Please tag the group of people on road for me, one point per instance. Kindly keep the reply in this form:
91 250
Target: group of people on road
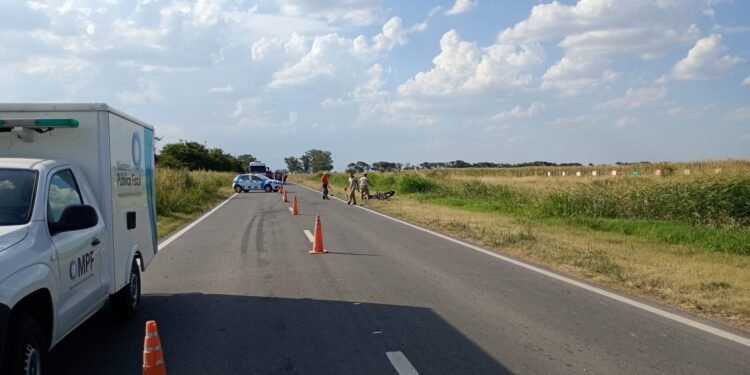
362 185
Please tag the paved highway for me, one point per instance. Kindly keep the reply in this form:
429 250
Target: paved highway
239 294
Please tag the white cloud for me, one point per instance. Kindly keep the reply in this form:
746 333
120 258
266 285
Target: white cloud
571 123
519 113
594 33
687 113
739 114
704 60
461 6
333 56
574 74
746 82
54 65
635 98
249 114
356 12
463 67
393 34
147 93
626 122
221 89
330 56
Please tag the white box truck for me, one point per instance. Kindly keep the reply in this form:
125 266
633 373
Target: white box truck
77 222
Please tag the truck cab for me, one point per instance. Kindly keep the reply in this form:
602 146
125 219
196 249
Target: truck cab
77 222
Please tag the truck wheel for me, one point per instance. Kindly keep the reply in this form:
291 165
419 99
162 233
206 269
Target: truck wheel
268 188
238 189
27 348
126 301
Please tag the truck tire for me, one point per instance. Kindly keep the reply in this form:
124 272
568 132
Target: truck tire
126 301
27 347
268 188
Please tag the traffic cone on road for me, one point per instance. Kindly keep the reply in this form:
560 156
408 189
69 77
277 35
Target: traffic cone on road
318 240
295 209
153 357
281 189
286 198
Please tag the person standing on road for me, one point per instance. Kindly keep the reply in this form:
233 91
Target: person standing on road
352 187
324 182
364 187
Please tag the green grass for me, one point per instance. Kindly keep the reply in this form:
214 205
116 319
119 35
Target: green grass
704 212
182 195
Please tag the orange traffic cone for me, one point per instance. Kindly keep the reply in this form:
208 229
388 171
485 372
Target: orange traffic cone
281 189
318 241
153 357
286 198
295 209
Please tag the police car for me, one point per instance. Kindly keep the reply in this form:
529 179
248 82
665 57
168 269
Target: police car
254 182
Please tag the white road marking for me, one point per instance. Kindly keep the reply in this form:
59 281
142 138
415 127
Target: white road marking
177 235
309 235
628 301
401 363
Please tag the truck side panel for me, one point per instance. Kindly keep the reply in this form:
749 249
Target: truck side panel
133 221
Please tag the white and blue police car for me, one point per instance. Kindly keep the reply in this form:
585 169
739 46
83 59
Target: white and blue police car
254 182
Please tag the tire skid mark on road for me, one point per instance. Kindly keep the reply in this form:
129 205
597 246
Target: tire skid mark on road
246 236
259 242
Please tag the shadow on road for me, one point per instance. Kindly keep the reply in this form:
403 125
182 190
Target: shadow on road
222 334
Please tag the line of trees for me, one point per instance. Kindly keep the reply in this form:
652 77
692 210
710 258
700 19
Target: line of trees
196 156
311 161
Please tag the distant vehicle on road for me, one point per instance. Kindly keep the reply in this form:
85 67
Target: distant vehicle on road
259 167
254 182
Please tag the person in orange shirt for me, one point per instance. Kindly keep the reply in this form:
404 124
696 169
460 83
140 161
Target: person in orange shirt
324 182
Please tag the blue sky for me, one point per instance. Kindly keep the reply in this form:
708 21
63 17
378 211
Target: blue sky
590 81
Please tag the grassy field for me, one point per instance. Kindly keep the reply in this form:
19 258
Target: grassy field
677 238
182 195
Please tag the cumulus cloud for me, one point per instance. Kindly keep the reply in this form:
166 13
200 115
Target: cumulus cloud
248 113
328 57
626 122
336 56
635 98
356 12
221 89
594 33
739 114
147 93
574 74
463 67
461 6
519 112
705 60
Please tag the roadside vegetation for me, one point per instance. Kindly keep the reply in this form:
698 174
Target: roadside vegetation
676 237
182 195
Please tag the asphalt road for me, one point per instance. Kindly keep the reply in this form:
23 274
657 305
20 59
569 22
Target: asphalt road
239 294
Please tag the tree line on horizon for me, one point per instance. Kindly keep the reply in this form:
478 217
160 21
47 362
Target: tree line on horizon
196 156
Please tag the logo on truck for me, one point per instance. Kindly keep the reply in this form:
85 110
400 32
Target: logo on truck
81 266
137 150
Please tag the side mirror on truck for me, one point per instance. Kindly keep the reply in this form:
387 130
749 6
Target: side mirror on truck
75 217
